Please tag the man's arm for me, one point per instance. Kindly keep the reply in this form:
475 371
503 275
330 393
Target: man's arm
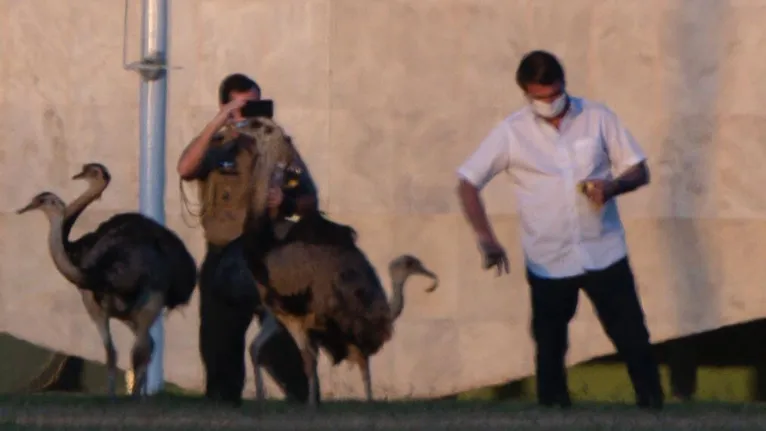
627 158
194 154
208 162
635 177
491 158
192 157
475 212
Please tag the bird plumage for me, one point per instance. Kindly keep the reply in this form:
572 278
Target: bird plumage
129 267
316 282
130 250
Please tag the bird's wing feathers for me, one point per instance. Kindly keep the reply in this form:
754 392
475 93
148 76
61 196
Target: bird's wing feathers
116 267
294 268
335 276
120 254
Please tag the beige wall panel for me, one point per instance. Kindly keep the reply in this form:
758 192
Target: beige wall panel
385 99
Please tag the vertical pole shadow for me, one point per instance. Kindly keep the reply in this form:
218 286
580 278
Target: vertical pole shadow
695 33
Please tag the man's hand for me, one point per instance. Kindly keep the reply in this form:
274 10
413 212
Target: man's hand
494 255
228 109
598 191
275 197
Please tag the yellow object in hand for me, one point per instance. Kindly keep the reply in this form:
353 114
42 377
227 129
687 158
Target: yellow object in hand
584 186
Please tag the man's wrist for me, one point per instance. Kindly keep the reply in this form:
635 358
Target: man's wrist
619 186
485 238
613 188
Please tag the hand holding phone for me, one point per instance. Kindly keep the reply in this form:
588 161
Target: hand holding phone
258 108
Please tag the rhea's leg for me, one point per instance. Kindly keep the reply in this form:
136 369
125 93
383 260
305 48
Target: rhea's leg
144 345
310 365
308 353
99 316
111 358
364 367
111 367
363 363
269 328
141 356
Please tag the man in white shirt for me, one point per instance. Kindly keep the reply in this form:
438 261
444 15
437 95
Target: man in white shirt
561 152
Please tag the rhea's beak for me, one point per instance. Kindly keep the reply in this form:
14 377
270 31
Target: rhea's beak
425 272
29 207
79 176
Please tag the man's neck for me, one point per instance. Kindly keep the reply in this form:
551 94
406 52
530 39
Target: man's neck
556 121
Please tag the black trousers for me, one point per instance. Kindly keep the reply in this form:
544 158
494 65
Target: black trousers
228 303
613 294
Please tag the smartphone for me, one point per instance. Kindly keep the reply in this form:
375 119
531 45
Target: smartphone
259 108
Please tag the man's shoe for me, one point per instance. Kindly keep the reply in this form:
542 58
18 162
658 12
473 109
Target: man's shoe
563 402
655 402
222 400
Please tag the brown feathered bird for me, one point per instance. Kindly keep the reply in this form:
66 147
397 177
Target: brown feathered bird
316 282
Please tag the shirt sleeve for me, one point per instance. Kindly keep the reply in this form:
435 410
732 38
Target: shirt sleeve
491 158
624 151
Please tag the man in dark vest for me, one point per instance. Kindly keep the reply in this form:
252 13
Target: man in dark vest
228 296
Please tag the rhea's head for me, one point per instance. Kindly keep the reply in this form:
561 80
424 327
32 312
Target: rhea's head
93 173
406 265
47 202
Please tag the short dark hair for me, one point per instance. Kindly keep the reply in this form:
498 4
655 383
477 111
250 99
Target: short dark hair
236 82
539 67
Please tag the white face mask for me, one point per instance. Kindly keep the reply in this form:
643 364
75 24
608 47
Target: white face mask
550 110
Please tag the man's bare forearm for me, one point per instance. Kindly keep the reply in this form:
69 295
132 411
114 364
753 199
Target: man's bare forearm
194 153
635 177
474 211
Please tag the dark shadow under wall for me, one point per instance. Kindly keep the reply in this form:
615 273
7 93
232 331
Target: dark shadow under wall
742 345
727 350
26 366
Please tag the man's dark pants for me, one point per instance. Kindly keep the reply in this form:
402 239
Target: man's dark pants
613 294
228 302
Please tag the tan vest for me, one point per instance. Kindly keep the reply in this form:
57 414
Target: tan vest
225 198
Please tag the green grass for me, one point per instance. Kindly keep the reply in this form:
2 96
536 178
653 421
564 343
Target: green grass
602 393
609 383
174 412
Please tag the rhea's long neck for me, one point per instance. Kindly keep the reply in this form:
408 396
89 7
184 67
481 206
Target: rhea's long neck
58 252
77 206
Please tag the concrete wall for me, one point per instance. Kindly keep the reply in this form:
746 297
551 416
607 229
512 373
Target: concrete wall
385 99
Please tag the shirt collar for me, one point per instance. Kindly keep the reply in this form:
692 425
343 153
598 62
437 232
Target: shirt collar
575 109
575 106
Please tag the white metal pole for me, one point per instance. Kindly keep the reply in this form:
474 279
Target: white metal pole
153 105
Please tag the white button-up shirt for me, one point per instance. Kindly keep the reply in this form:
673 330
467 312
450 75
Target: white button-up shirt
563 233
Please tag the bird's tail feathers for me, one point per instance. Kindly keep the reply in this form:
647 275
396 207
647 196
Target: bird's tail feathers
362 314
